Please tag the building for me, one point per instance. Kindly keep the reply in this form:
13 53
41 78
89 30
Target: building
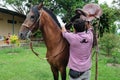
10 22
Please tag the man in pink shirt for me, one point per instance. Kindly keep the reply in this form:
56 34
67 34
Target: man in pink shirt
81 42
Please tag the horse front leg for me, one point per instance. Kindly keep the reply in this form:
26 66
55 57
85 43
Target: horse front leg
63 73
55 72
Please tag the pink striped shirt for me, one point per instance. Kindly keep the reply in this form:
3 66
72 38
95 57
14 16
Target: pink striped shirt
80 53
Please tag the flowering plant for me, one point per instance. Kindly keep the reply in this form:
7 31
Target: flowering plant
14 39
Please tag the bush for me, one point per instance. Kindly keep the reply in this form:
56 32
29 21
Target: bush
109 44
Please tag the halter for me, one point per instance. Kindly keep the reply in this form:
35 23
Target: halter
31 25
31 46
35 22
25 25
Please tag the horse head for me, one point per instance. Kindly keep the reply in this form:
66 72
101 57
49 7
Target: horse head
31 23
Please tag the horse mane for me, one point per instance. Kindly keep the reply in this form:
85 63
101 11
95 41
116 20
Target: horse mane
52 15
36 12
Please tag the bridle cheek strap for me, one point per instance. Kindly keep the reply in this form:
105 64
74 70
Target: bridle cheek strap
27 26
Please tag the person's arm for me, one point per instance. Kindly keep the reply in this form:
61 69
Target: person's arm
67 35
64 29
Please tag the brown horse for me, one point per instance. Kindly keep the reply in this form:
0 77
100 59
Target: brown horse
57 47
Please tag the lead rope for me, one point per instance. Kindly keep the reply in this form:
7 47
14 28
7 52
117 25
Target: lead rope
31 47
30 42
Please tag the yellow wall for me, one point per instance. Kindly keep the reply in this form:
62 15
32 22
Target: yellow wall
6 27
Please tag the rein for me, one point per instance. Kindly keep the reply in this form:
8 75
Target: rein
31 44
31 47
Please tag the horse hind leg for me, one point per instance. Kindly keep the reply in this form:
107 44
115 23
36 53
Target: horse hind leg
55 73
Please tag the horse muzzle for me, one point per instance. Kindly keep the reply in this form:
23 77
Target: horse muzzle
24 35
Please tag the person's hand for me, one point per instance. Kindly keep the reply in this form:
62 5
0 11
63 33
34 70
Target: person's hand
68 26
63 25
63 28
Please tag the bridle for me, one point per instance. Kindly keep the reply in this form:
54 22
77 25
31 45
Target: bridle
34 23
30 31
31 46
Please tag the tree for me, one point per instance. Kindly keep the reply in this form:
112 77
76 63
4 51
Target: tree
110 15
17 5
67 7
109 43
21 6
116 2
64 8
109 46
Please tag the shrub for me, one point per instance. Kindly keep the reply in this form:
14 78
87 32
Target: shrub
14 39
15 42
109 42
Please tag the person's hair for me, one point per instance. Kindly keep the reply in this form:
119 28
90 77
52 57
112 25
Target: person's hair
79 25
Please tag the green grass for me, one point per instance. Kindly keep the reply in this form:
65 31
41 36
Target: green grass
105 72
24 65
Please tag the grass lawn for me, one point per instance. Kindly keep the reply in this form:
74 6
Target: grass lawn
24 65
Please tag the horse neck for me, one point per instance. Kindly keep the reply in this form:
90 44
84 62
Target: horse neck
51 32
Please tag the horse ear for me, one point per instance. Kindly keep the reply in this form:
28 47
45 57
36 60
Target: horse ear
40 6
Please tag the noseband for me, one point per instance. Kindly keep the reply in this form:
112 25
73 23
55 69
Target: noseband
36 21
25 25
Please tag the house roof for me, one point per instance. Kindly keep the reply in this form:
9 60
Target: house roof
11 12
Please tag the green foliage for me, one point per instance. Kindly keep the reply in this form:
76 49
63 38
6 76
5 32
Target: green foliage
65 8
17 5
110 15
37 34
109 42
110 46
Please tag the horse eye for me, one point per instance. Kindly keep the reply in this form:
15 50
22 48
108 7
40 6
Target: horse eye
32 18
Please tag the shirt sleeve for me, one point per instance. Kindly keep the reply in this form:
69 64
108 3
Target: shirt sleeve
68 36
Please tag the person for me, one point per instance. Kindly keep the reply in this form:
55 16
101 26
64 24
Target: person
8 39
81 41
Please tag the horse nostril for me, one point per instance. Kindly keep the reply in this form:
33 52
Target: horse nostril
21 35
